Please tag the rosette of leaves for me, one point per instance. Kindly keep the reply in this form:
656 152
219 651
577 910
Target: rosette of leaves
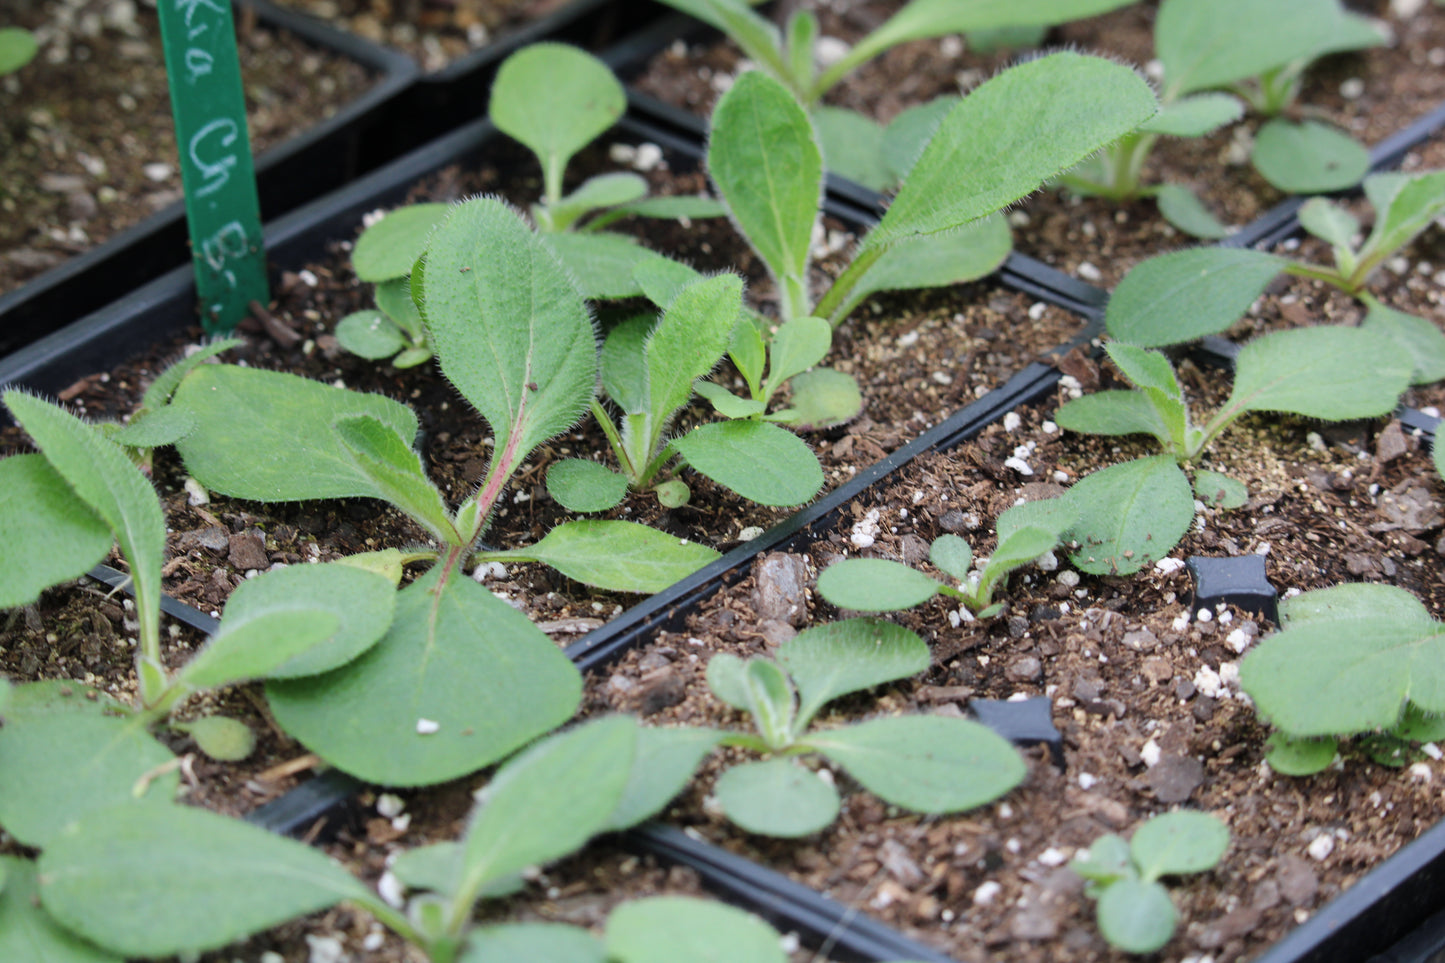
1188 294
1025 532
942 226
924 763
1134 910
1134 513
1353 661
1213 52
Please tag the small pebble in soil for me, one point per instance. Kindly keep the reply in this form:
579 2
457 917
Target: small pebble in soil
324 949
389 805
1321 847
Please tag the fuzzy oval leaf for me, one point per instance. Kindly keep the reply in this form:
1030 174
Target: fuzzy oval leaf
761 462
616 555
455 656
824 398
662 764
1299 757
602 265
600 191
1356 601
926 763
1308 157
952 555
1106 860
1405 204
852 146
47 534
509 329
776 798
221 737
1182 207
65 755
395 469
833 659
27 932
580 485
1113 412
624 368
1019 549
154 428
1171 844
727 404
387 250
909 132
394 299
269 436
1414 337
1331 372
1329 222
797 345
669 929
1130 515
154 881
689 340
1135 916
1219 491
539 942
875 585
725 677
369 334
1195 116
1185 295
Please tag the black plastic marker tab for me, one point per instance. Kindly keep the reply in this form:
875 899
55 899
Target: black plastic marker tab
1239 581
1025 720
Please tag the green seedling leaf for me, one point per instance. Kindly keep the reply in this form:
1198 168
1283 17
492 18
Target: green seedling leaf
1130 515
411 357
823 398
852 146
1136 916
674 207
1308 157
1334 373
1418 726
767 166
295 621
29 933
155 881
726 403
1115 412
1187 294
1149 370
458 681
395 469
1405 205
996 39
387 562
155 429
749 352
387 250
579 485
778 797
370 334
602 265
615 555
509 329
673 494
286 448
624 366
1195 116
17 48
158 395
1219 491
663 279
47 534
1054 515
760 461
833 659
1182 208
220 737
662 764
1347 668
771 701
1106 860
1179 842
951 555
542 942
797 346
689 341
666 929
929 764
595 193
556 100
1299 757
725 679
875 585
1016 551
1329 222
909 133
436 867
395 301
64 754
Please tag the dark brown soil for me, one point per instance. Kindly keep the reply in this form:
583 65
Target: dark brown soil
87 145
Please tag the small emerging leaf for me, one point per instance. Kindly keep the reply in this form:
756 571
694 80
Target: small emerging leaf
580 485
1136 916
1182 207
1299 757
1219 491
387 250
1187 294
222 738
1329 222
952 555
1180 842
823 398
370 334
1195 116
833 659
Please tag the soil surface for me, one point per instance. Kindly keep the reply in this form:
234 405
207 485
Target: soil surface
87 143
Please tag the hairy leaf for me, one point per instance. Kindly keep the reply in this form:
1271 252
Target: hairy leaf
689 341
616 555
1130 515
852 146
47 534
1413 337
1329 222
29 933
1180 842
909 133
952 555
1405 205
1219 491
662 764
833 659
387 459
875 585
824 398
1113 412
668 929
370 334
778 797
1331 372
580 485
759 461
602 265
1299 757
1136 916
1182 208
1308 157
1187 294
1195 116
387 250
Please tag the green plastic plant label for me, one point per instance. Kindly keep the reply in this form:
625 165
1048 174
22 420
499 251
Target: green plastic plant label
222 210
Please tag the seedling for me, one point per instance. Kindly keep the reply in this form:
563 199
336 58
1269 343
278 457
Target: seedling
1361 661
17 48
1134 910
1135 513
1025 532
1254 50
1188 294
925 763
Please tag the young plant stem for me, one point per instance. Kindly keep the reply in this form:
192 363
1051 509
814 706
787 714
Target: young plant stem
599 414
837 295
1350 284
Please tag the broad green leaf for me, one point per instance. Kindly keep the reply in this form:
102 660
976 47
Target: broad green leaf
602 264
760 461
535 942
155 881
771 701
64 754
615 555
823 398
1351 670
1334 373
1056 515
1130 515
725 679
909 132
875 585
672 929
766 163
17 48
675 207
852 146
1106 860
1180 842
726 403
160 391
1219 491
394 299
509 329
285 448
624 368
1405 205
556 100
1308 157
952 555
220 737
1018 550
580 485
27 932
1113 412
797 346
389 462
47 534
1136 916
778 797
1329 222
153 429
926 763
345 608
663 279
1195 116
459 680
601 191
1352 601
689 341
1299 757
1187 294
387 250
662 764
549 800
1182 208
833 659
1144 368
